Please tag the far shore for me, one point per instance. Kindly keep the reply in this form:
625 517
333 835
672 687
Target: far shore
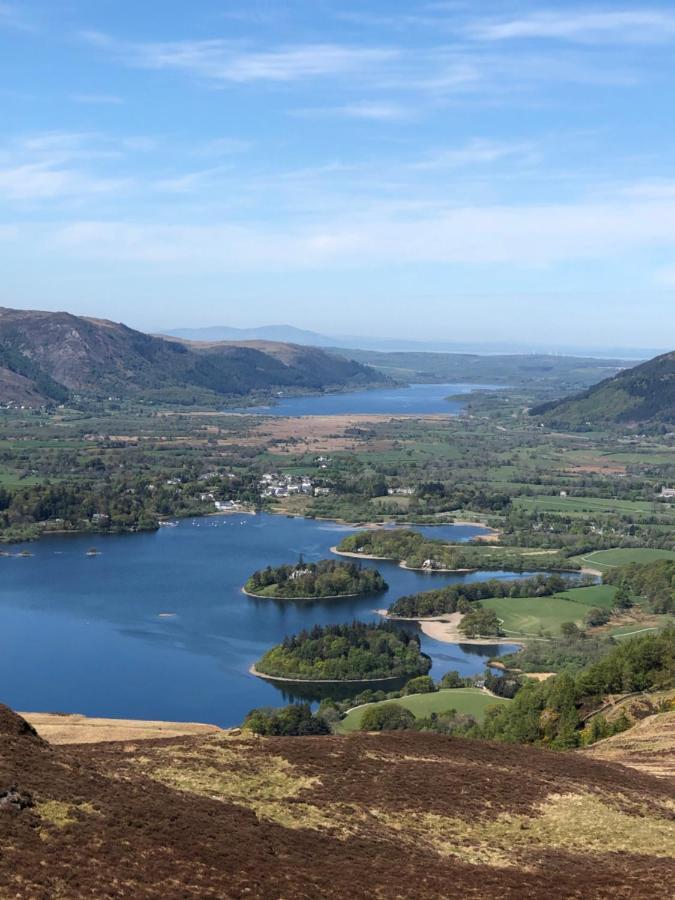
254 671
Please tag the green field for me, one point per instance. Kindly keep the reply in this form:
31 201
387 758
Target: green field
527 616
597 595
582 506
472 701
611 559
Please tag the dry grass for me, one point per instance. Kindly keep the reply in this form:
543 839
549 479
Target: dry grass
61 814
649 746
76 729
268 785
580 823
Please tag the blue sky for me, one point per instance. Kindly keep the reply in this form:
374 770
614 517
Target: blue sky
461 171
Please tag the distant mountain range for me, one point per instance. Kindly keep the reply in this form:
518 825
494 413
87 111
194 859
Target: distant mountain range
47 357
289 333
643 396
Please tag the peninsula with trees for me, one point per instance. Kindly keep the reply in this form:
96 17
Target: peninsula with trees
415 551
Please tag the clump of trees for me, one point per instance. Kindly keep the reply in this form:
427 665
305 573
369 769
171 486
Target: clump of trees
326 578
458 597
652 583
290 721
353 652
481 622
394 717
387 717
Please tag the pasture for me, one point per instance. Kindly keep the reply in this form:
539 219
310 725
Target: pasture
472 701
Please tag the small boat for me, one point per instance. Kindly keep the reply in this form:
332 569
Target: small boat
92 551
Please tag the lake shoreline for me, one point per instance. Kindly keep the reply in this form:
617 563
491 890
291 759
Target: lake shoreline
253 671
309 599
445 629
402 564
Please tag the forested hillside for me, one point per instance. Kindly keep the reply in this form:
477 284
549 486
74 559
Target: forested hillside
638 396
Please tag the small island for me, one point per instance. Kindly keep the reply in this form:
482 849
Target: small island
327 579
343 653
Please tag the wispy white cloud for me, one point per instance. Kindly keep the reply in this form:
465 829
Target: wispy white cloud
476 152
517 236
57 165
13 17
226 61
43 182
629 26
98 99
223 146
382 111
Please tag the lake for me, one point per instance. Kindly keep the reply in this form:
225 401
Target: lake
405 400
156 627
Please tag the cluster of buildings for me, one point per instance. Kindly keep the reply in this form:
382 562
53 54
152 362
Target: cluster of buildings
221 505
289 485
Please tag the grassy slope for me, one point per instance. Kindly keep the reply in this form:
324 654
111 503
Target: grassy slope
528 615
610 559
465 700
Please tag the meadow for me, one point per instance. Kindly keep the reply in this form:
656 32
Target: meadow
529 616
469 701
612 559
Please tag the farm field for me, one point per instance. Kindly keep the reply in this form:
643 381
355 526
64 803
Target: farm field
528 616
471 701
596 595
611 559
582 506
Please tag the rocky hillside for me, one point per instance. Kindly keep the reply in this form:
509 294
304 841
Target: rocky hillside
47 357
644 395
396 815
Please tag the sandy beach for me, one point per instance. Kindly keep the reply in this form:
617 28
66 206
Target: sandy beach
447 631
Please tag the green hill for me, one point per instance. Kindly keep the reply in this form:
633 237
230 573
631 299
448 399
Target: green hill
47 357
643 395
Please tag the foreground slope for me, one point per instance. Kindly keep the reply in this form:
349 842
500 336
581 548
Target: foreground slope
642 395
648 746
46 356
392 815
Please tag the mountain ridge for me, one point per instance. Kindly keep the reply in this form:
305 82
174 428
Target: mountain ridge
47 357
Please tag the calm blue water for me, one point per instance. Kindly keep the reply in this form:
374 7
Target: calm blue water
415 399
82 634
